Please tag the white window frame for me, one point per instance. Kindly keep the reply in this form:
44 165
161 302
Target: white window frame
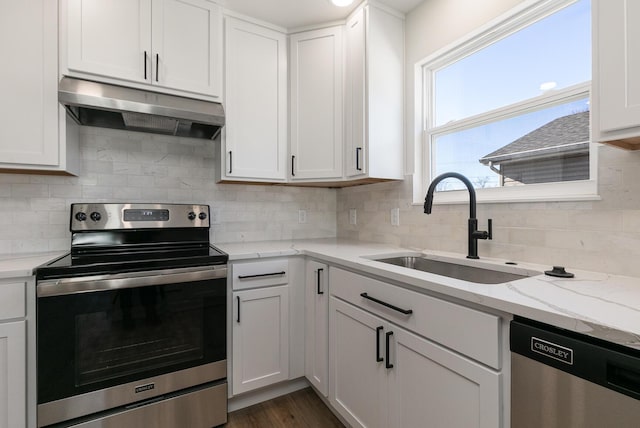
519 17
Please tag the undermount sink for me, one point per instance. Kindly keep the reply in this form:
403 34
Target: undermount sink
453 270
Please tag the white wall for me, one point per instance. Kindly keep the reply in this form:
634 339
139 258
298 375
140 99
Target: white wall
597 235
136 167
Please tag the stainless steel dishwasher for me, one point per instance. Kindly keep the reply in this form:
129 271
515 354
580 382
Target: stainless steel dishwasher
565 379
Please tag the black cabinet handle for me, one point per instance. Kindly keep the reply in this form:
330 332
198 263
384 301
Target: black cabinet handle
358 150
318 279
157 63
261 275
293 172
387 364
388 305
378 356
238 318
230 161
145 65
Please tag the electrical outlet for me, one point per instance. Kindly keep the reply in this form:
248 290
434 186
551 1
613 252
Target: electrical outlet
395 216
302 216
215 215
352 216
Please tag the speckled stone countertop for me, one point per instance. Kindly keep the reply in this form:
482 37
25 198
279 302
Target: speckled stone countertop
597 304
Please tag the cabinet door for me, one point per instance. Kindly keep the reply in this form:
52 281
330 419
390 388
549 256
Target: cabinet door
432 387
316 104
317 325
187 46
255 102
618 65
355 75
260 338
13 409
110 38
357 386
28 83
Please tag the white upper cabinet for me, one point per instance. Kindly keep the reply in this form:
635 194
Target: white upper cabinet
171 44
110 38
34 134
255 135
316 104
616 72
374 103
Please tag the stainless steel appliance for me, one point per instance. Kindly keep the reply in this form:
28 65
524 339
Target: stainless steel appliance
111 106
131 324
561 379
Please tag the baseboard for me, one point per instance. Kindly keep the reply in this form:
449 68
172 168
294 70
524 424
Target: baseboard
267 393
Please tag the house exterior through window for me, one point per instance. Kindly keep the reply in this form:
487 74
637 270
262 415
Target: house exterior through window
509 107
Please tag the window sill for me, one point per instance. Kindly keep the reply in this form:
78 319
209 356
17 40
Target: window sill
582 191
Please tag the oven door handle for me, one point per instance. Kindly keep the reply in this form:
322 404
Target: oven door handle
89 284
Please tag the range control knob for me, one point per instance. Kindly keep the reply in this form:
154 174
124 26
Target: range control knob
191 215
80 216
202 216
95 216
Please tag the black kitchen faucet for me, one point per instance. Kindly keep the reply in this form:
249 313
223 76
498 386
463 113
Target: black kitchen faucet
474 234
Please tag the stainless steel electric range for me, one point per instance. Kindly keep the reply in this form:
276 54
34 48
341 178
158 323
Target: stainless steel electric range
131 324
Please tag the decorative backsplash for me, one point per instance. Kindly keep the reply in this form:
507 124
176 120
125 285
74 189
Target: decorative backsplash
135 167
601 235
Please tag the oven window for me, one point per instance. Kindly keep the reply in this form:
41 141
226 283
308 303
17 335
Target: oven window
95 340
144 329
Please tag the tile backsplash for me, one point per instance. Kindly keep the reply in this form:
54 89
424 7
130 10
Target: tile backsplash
136 167
602 235
117 165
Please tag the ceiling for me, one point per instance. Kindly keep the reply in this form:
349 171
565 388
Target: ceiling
299 13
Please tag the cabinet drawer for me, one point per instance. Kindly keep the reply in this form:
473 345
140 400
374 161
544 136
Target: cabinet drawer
12 300
468 331
260 274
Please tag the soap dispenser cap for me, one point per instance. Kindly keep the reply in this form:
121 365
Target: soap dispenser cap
559 271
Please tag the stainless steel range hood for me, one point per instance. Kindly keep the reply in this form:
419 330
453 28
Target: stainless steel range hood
111 106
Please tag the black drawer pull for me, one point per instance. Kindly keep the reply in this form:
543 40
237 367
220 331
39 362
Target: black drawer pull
387 364
318 272
388 305
378 357
260 275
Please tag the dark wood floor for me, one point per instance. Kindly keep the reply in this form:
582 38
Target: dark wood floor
300 409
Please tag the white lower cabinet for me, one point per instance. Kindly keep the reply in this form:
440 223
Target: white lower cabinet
13 409
316 365
385 371
430 386
384 376
260 337
13 353
358 376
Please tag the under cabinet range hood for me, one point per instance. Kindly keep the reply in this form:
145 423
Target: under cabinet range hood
110 106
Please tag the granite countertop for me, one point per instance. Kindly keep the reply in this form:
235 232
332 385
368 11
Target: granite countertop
597 304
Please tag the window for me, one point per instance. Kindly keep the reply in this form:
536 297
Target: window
509 107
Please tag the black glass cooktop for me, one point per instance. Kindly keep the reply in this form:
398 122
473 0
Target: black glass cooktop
119 261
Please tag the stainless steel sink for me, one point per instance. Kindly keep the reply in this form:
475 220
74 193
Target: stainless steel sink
453 270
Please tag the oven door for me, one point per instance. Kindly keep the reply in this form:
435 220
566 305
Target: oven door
109 341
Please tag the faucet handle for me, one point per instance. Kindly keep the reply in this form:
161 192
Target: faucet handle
482 234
